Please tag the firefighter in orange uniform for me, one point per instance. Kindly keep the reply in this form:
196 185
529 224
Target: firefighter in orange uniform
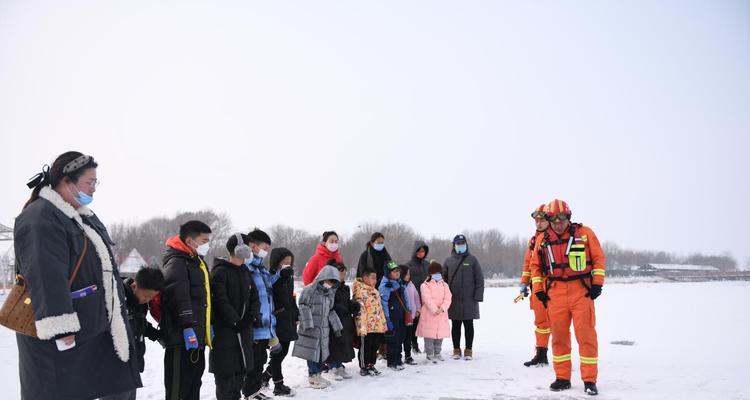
570 261
542 330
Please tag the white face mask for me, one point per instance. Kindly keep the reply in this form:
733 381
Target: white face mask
332 247
327 285
286 266
262 253
202 250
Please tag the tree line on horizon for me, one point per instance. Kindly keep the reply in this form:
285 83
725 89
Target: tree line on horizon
500 255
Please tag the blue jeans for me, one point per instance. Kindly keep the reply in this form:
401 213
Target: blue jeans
313 368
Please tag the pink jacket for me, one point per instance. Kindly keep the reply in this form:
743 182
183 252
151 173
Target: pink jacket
414 303
433 324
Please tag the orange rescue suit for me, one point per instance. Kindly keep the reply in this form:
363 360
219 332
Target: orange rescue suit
541 322
568 265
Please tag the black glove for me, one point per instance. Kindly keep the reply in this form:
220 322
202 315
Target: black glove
286 272
594 292
543 297
355 307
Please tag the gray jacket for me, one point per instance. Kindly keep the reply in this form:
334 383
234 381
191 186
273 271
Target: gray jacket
464 276
316 318
418 268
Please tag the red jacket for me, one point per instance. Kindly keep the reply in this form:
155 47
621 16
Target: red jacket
317 262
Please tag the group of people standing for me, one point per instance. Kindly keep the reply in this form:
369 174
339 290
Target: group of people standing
91 324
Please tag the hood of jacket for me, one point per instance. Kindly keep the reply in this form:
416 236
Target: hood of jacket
328 273
418 245
177 248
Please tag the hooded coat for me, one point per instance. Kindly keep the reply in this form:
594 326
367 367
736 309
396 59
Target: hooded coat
235 298
287 312
318 261
434 324
48 239
418 268
265 329
466 281
340 347
317 318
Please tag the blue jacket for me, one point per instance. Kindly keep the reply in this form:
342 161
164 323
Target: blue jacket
385 296
264 281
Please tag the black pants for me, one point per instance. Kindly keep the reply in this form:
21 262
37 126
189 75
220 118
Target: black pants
183 370
254 379
394 341
409 339
456 332
368 349
274 366
414 343
228 386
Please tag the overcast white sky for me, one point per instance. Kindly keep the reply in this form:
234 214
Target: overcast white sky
441 115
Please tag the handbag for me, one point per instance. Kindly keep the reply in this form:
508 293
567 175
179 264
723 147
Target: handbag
17 312
408 318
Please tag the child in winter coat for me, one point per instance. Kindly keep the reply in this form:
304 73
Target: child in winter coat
395 305
370 322
341 350
433 324
317 319
415 306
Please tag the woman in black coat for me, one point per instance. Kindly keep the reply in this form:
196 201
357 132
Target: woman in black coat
287 315
84 348
341 347
375 256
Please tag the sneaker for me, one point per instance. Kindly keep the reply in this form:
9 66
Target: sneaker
456 354
280 389
365 372
468 354
590 388
374 371
341 373
559 385
410 361
265 378
439 357
258 396
318 382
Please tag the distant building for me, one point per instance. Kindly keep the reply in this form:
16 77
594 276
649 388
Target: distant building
677 268
132 263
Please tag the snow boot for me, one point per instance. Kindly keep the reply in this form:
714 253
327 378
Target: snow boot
364 372
559 385
468 355
280 389
341 373
540 359
410 361
456 354
318 382
590 388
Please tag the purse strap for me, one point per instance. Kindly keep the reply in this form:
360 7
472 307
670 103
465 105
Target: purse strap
80 261
398 297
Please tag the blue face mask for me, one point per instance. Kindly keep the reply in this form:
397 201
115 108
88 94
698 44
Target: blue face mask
84 199
460 248
378 247
437 277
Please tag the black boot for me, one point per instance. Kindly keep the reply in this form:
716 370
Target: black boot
590 388
540 359
559 384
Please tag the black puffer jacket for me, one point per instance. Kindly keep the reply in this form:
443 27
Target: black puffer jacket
373 259
285 305
235 298
418 268
184 299
139 326
341 349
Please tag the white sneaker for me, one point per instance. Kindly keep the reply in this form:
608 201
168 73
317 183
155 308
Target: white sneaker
318 382
439 357
340 373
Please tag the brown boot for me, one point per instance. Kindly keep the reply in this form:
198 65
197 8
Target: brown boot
467 354
456 354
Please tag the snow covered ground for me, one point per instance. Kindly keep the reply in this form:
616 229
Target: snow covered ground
691 342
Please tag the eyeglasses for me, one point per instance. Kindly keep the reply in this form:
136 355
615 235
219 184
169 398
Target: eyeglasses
538 215
558 217
94 183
